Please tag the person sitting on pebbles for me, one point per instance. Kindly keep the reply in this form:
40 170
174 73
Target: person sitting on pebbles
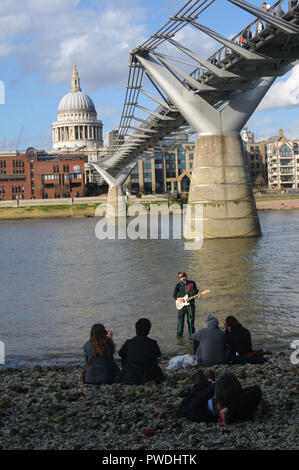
223 401
210 342
139 357
100 365
238 343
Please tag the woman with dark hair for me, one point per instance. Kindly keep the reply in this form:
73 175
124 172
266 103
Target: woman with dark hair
140 357
234 402
100 365
238 342
237 338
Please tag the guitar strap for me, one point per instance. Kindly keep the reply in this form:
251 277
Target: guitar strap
187 287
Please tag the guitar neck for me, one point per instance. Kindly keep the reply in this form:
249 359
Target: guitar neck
193 297
203 292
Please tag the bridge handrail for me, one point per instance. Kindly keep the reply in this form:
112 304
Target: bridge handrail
192 7
218 54
192 10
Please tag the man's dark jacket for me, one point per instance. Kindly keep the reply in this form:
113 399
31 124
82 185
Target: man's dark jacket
239 340
139 359
180 290
195 405
242 408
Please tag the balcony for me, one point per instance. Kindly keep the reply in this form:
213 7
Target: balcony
50 179
287 179
46 182
73 178
20 177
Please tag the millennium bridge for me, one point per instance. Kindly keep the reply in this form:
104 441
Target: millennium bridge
214 97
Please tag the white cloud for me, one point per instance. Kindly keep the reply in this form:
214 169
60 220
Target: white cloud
48 36
284 93
292 132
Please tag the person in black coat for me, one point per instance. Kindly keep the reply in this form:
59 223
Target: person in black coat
140 357
224 401
235 403
238 343
195 406
237 338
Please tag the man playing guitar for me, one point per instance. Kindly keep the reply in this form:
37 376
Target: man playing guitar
183 288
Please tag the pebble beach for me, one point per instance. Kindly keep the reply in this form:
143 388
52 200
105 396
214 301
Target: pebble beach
48 408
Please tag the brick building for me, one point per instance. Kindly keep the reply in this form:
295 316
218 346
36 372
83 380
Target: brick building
39 175
256 155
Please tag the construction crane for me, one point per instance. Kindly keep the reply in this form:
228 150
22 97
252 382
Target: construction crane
20 136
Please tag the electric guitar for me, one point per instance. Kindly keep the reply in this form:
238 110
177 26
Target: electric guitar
186 300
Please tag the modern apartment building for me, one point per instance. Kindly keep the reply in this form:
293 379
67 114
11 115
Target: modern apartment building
169 171
283 163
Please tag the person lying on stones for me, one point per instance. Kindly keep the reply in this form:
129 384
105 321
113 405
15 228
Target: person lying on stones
223 401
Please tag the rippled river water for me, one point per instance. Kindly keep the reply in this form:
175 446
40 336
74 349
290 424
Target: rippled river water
57 279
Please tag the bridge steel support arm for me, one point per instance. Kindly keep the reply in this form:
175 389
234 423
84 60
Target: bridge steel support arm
220 178
116 200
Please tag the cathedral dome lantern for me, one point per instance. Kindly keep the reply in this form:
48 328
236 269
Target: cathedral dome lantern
77 125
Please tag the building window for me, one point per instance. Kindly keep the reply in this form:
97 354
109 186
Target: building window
285 151
286 162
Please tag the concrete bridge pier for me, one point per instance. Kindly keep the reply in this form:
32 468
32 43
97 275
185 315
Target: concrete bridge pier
116 202
221 184
220 180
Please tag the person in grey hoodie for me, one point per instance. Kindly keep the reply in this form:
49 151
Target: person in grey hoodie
211 340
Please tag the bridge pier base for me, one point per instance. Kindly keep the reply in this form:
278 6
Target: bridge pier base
220 182
116 202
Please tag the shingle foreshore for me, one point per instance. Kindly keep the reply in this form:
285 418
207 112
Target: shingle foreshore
49 408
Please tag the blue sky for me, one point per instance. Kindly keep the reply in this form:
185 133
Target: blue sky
39 42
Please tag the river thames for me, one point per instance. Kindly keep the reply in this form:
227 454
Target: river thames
58 279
